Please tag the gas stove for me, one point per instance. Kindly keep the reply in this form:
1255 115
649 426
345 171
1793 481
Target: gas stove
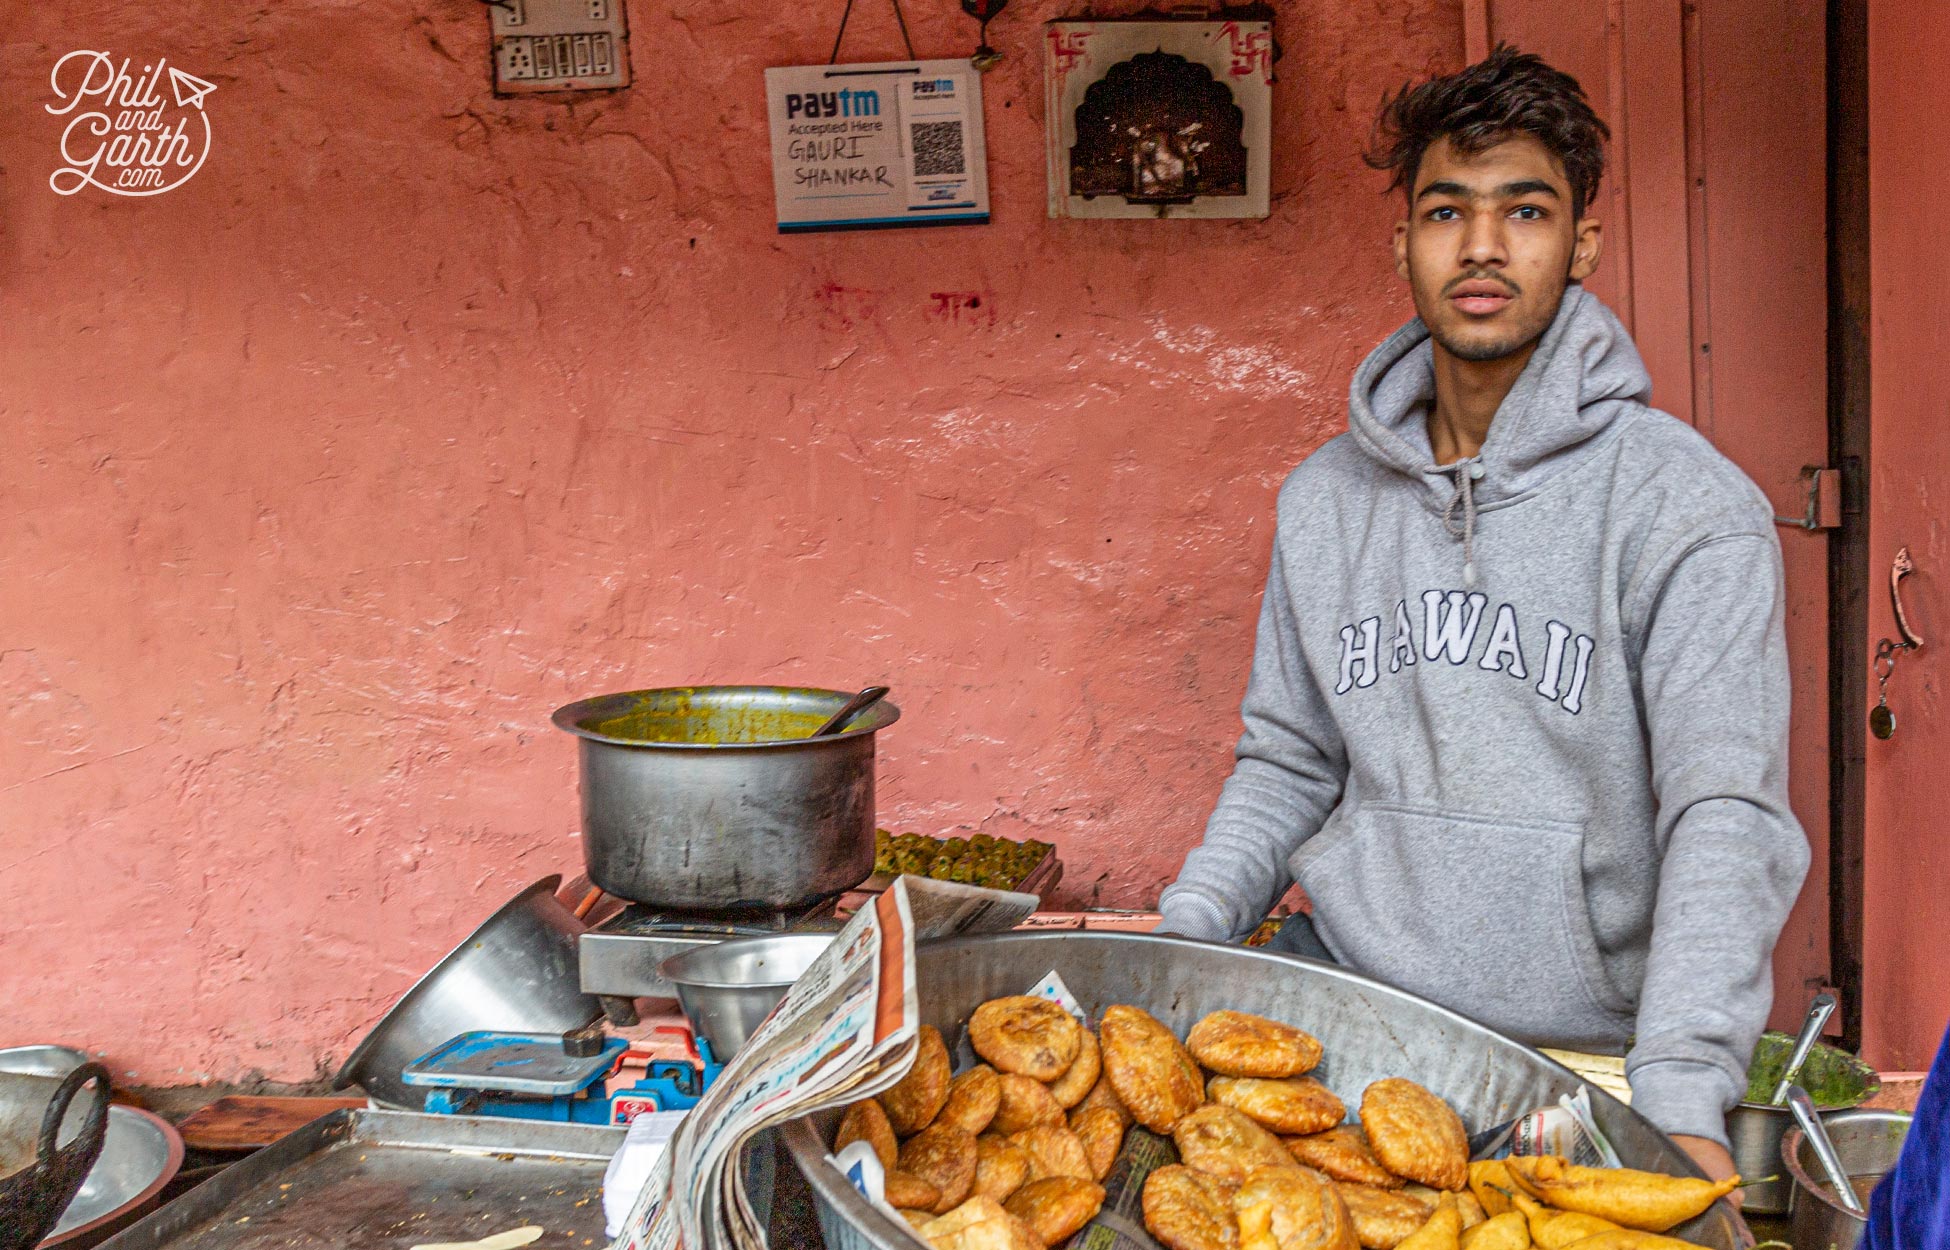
619 955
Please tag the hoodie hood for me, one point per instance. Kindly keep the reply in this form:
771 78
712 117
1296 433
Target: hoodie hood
1584 375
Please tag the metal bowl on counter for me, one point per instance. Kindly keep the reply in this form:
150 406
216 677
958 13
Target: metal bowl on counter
1370 1031
1835 1079
1867 1142
517 973
715 799
728 988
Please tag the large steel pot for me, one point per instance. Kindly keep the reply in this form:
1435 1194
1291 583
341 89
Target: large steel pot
715 799
517 973
1370 1031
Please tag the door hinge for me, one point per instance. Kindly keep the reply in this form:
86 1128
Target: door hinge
1824 496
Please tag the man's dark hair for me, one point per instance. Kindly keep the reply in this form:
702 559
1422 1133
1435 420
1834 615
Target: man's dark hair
1509 93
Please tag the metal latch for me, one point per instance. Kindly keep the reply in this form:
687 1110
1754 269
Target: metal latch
1824 512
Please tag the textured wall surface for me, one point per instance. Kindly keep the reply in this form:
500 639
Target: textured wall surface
417 413
1907 858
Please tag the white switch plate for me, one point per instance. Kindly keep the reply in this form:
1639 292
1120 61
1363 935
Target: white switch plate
559 45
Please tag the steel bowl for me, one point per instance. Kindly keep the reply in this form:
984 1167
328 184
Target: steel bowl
728 988
1370 1031
715 799
1755 1129
517 973
142 1153
1867 1142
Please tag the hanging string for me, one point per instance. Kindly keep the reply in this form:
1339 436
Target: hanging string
848 12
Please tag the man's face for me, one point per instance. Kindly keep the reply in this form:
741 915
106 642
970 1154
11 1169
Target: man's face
1489 245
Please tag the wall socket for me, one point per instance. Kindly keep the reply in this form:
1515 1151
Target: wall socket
559 45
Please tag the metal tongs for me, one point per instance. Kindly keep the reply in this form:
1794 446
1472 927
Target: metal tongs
1818 1012
1812 1128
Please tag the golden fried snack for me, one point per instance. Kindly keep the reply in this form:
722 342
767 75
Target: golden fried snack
1554 1230
1297 1104
1628 1198
1224 1142
1056 1206
1306 1213
1441 1231
1081 1076
1472 1210
1508 1231
912 1104
1027 1035
1186 1209
979 1224
972 1100
904 1189
1383 1218
1490 1181
1149 1069
1101 1131
1022 1102
1001 1166
944 1157
1054 1150
1629 1239
865 1121
1256 1227
916 1218
1415 1134
1102 1095
1233 1043
1343 1153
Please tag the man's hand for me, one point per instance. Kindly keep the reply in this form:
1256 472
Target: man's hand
1713 1160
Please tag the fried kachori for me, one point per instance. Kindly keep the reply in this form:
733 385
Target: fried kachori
1222 1141
911 1105
1026 1035
1294 1105
1342 1153
1186 1209
1236 1043
1149 1069
1415 1134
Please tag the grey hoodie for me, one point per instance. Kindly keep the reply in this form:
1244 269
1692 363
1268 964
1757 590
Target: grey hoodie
1518 725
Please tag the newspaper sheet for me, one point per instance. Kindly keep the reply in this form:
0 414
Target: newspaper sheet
844 1031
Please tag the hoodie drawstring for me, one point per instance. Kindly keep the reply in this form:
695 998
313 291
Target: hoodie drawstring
1468 472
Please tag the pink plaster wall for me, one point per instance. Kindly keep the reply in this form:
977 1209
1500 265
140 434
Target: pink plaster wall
417 413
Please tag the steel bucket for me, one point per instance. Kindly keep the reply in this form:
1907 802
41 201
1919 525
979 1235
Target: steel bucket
1868 1143
517 973
715 799
1370 1031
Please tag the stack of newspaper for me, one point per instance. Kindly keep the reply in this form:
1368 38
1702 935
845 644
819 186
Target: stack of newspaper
844 1031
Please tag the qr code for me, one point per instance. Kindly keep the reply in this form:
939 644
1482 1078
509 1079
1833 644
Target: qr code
937 149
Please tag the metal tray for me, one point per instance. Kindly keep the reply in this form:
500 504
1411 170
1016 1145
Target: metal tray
1370 1030
381 1180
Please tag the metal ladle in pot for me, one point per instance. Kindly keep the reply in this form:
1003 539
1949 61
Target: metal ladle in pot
1819 1010
850 709
1812 1128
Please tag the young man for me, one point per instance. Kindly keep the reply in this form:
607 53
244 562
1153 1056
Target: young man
1517 720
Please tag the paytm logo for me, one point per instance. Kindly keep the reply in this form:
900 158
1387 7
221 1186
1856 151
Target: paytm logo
842 103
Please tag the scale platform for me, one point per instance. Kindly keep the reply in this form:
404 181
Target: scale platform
535 1064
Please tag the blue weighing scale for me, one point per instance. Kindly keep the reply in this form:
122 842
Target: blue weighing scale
533 1076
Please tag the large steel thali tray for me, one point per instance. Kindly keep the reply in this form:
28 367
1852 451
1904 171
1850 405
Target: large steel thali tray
372 1179
1370 1031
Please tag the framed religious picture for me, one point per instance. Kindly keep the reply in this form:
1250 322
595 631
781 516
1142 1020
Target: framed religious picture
1159 118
